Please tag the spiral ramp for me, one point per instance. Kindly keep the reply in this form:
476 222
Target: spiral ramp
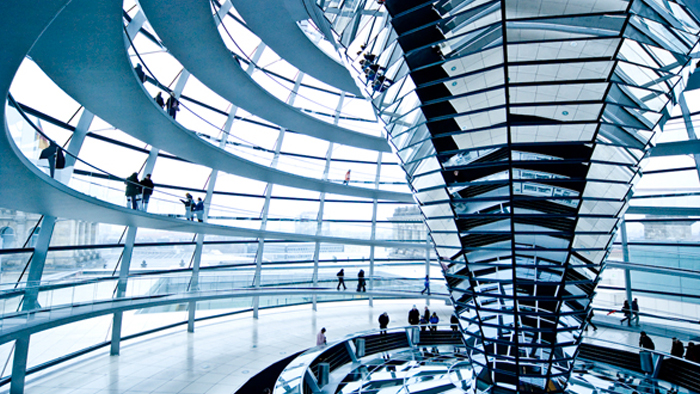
87 59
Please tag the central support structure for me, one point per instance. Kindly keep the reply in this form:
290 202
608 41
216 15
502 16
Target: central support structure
521 126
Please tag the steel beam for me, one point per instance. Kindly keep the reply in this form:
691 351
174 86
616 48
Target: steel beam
121 288
36 266
373 233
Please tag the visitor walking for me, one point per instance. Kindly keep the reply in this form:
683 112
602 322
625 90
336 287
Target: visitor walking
347 178
645 342
627 312
321 337
147 189
139 73
341 279
383 323
173 106
590 322
199 209
434 320
635 312
159 100
413 316
426 285
361 281
189 206
133 190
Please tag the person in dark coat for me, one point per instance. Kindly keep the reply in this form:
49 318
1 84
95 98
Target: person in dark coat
691 352
635 312
147 189
677 348
627 312
189 206
413 316
139 73
159 100
133 190
173 106
645 342
361 281
383 322
49 153
341 279
199 209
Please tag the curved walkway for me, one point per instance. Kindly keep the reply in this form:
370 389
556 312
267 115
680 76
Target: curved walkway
88 60
189 33
218 358
26 188
279 31
30 322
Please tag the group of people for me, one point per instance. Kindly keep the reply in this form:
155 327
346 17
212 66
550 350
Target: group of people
171 105
426 321
193 208
691 353
375 73
138 192
631 312
361 281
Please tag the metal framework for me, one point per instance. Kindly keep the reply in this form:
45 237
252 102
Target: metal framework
521 127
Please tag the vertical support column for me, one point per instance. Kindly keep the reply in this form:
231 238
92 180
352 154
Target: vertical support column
322 202
151 161
427 261
76 141
319 224
199 247
19 365
373 234
257 279
626 258
181 82
36 267
257 276
135 25
194 279
225 7
121 288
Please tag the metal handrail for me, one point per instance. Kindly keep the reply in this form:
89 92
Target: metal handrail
638 349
